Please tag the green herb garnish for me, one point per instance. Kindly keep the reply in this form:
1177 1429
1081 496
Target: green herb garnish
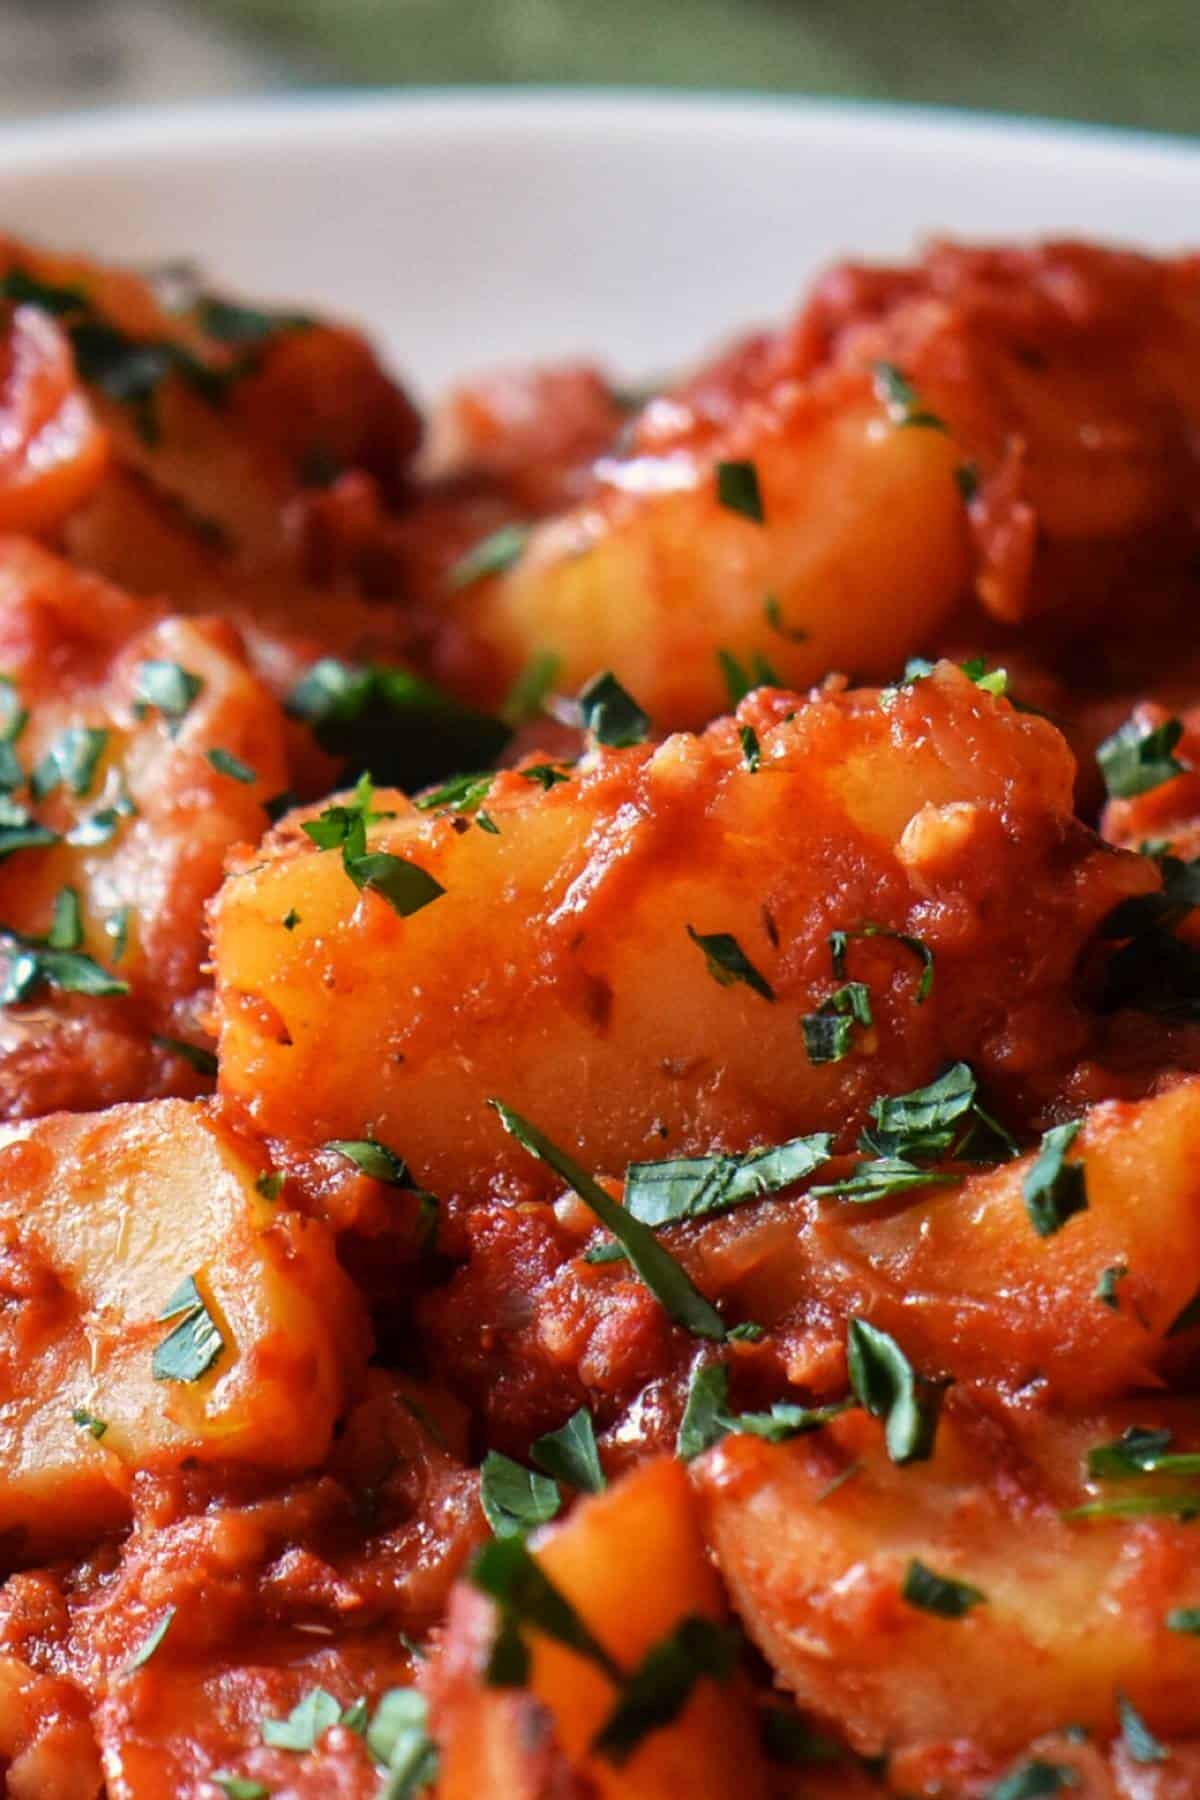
727 962
938 1593
526 698
774 617
142 1655
374 1159
1136 759
1106 1287
515 1500
87 1421
226 763
1142 1745
662 1684
72 758
529 1601
386 719
201 1059
1055 1189
1034 1781
839 941
900 398
570 1454
496 553
194 1343
742 680
887 1385
167 687
612 716
695 1187
738 490
751 749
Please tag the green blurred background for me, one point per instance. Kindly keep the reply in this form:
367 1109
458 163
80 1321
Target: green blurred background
1109 61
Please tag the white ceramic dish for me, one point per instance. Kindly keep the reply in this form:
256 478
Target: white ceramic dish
467 227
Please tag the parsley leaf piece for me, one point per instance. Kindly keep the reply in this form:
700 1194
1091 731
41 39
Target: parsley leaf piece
738 490
508 1659
374 1159
398 1738
1134 760
66 925
544 775
72 758
774 617
461 794
1054 1189
829 1032
1106 1288
1137 1451
784 1420
166 686
116 929
230 322
570 1454
838 941
87 1421
1183 1507
1187 1318
966 479
150 1644
991 681
790 1740
239 1787
200 1058
305 1725
939 1594
881 1177
406 886
1034 1781
192 1345
662 1684
291 919
926 1121
887 1385
226 763
740 681
665 1278
727 961
695 1187
612 716
1142 1745
505 1571
610 1252
380 717
514 1499
706 1413
12 775
491 556
526 697
1185 1619
19 830
35 963
23 289
751 749
900 398
269 1183
746 1333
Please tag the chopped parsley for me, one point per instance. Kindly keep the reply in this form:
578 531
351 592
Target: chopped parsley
774 616
397 1736
527 695
612 716
73 758
87 1421
305 1725
239 1787
116 929
839 943
1034 1780
1183 1507
695 1187
194 1342
881 1178
829 1032
544 775
529 1601
1185 1619
738 490
493 555
1142 1745
461 794
374 1159
269 1183
666 1279
230 322
35 963
939 1594
19 830
900 398
1106 1287
707 1417
1141 1450
1136 758
728 963
515 1500
66 924
168 688
1187 1318
379 717
966 479
751 749
887 1385
226 763
198 1056
1054 1189
291 919
661 1685
570 1454
404 885
740 679
150 1644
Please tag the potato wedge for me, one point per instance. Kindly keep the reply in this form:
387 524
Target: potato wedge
632 1564
560 970
103 1218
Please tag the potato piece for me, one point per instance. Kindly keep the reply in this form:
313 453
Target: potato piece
961 1277
557 971
632 1564
103 1218
46 1742
53 450
152 817
1073 1612
863 547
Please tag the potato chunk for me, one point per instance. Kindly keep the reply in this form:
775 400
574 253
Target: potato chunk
961 1276
103 1218
560 969
632 1564
1070 1612
138 804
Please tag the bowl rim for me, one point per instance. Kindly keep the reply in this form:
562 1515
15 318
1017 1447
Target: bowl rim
328 116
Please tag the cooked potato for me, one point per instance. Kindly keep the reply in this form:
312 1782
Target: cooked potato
558 973
1069 1612
110 1368
53 450
931 1268
632 1564
46 1742
138 817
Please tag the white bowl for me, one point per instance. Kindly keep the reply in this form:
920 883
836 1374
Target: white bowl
466 228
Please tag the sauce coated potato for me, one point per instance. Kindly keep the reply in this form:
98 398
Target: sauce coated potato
557 971
632 1564
103 1218
1071 1611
